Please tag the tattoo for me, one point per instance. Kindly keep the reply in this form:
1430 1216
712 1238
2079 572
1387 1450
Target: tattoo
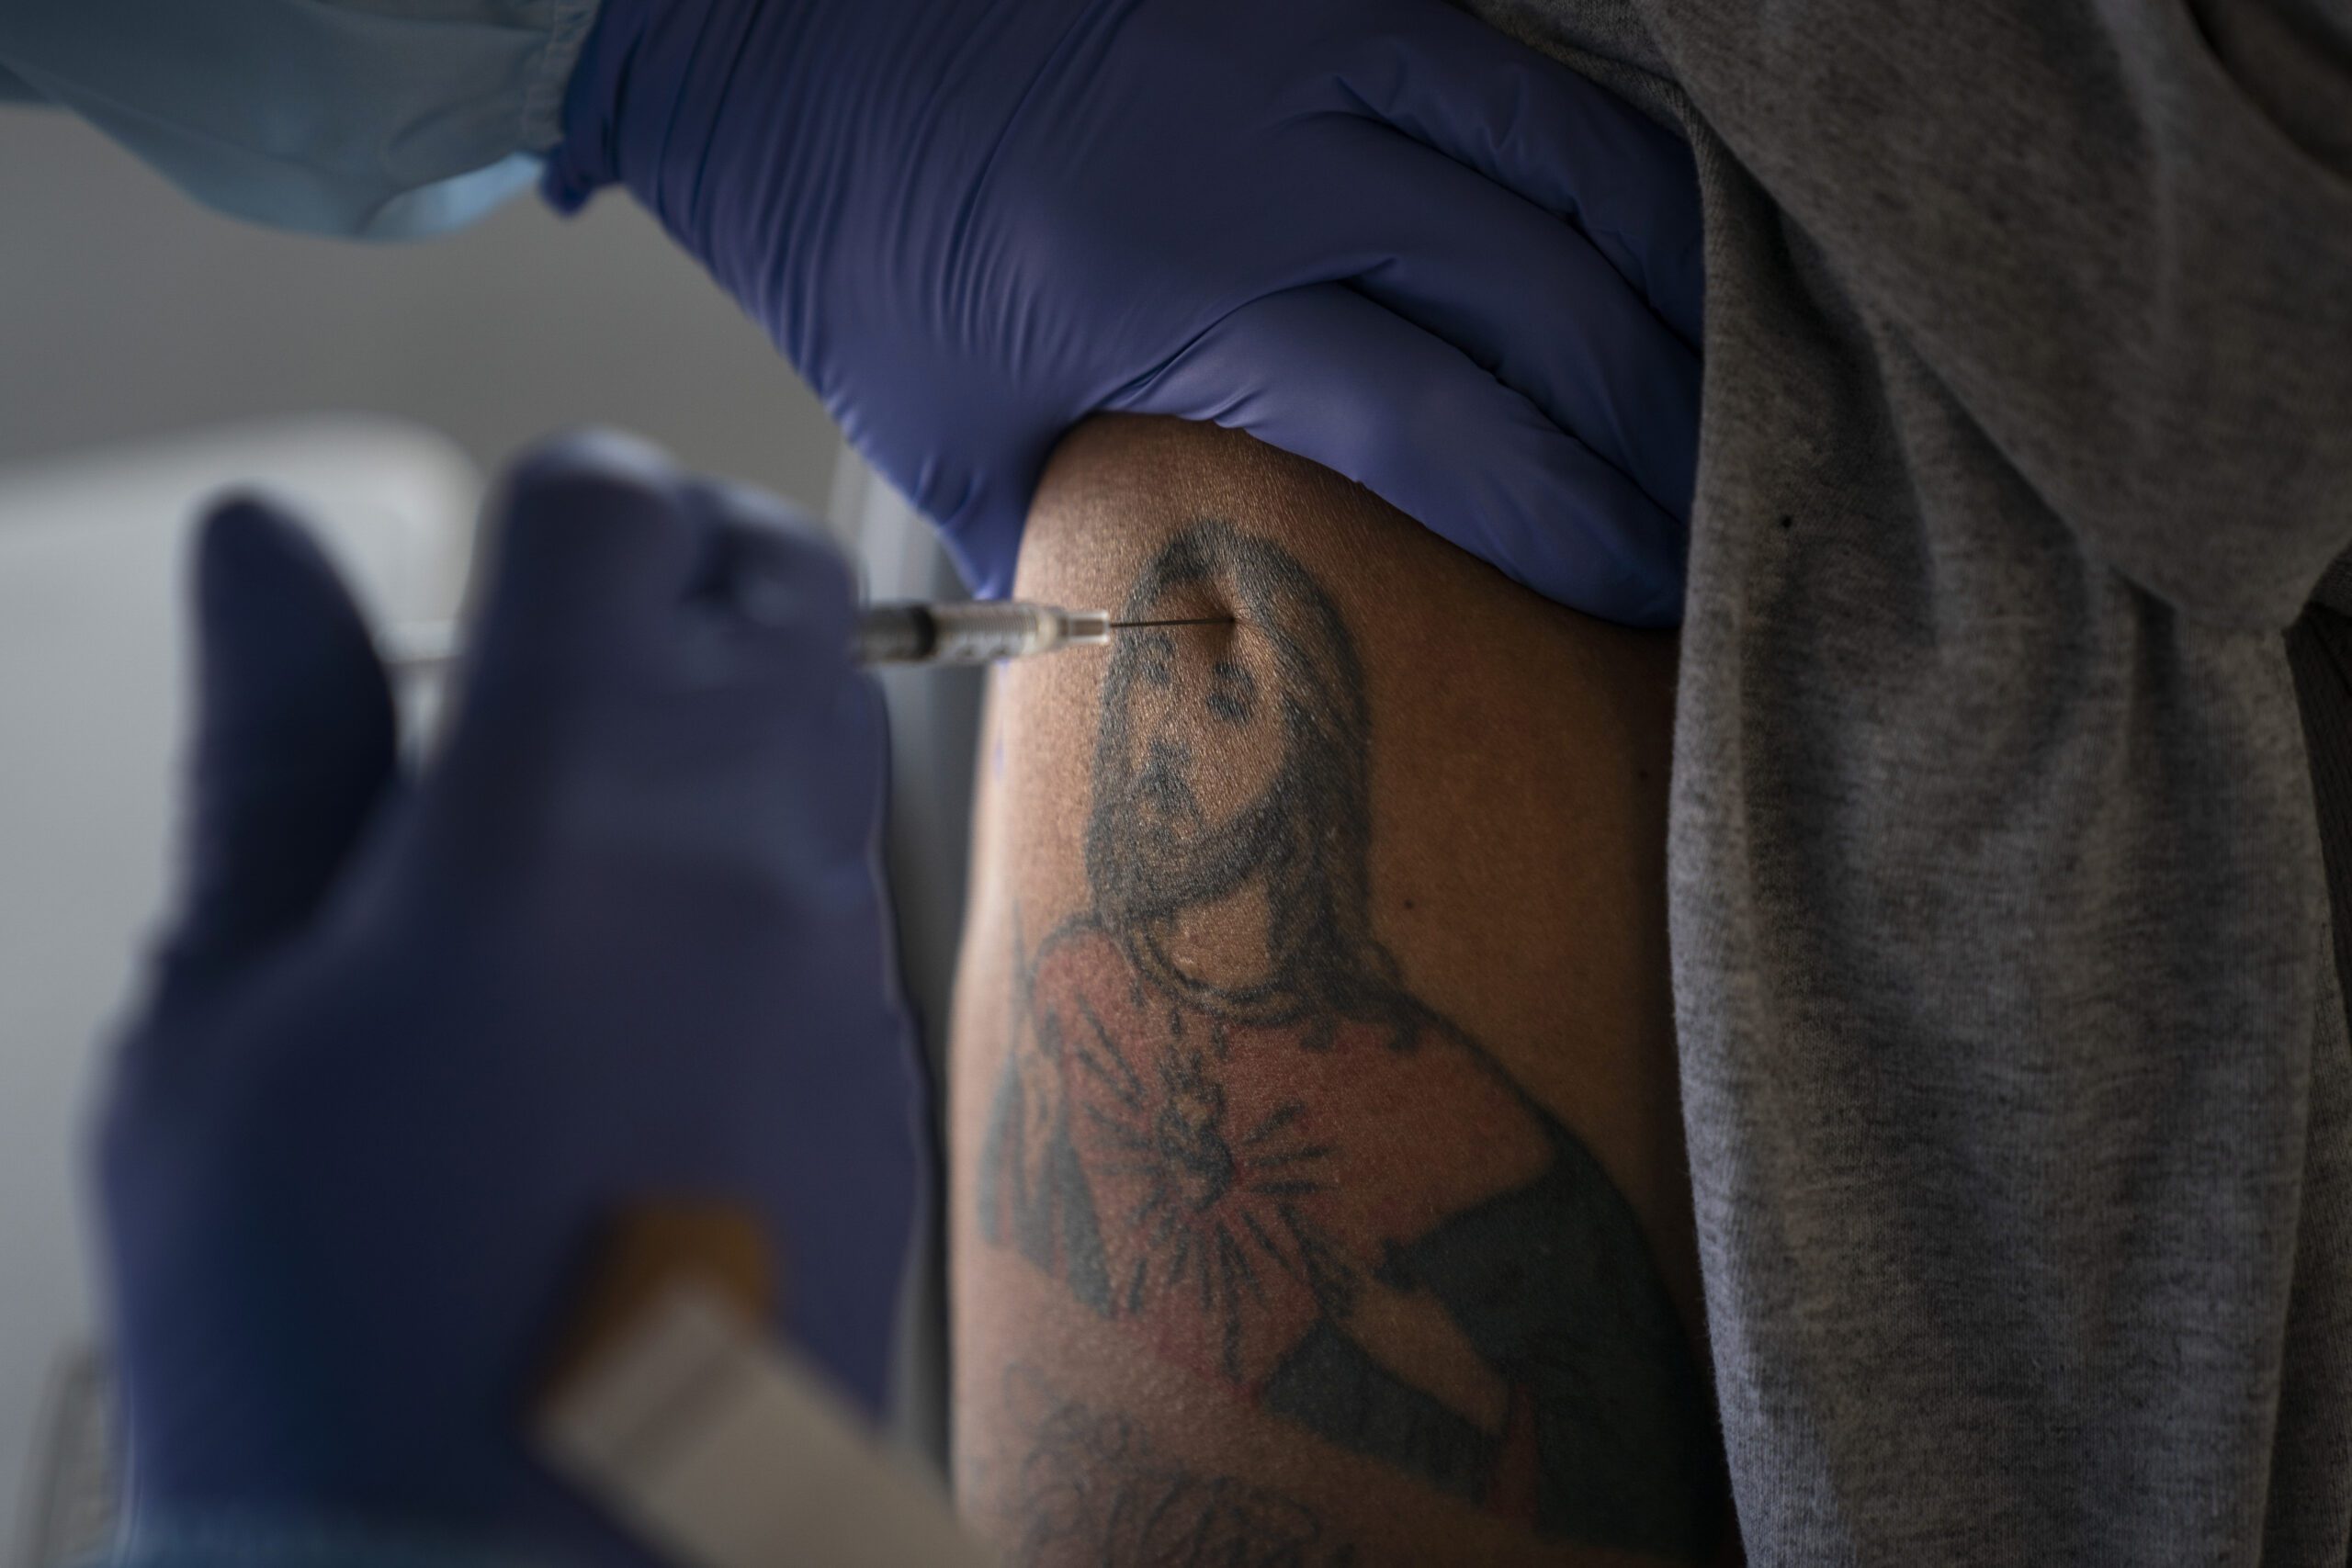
1261 1152
1081 1488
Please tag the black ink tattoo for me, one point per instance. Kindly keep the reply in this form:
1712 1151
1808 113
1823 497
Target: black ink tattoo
1081 1487
1281 1167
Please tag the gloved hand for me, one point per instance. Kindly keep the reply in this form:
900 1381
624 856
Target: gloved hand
1375 233
412 1041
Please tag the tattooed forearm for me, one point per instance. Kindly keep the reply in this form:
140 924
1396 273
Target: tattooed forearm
1079 1488
1227 1123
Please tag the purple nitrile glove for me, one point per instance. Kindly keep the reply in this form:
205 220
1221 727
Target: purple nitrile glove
413 1040
1375 233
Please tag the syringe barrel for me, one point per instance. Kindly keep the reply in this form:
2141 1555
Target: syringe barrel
976 633
955 633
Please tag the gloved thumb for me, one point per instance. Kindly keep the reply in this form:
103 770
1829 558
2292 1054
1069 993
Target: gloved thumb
294 741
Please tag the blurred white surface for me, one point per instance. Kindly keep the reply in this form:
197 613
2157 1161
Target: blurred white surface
92 556
934 736
128 310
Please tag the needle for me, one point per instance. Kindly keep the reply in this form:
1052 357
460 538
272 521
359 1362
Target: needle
1198 621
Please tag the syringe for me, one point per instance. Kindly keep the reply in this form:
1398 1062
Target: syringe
970 632
974 632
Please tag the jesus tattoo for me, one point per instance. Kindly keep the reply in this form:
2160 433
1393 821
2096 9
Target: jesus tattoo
1266 1157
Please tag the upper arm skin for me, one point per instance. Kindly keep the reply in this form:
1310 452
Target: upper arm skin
1317 1174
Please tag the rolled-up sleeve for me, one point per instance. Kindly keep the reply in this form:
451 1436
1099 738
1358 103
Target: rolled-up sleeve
382 118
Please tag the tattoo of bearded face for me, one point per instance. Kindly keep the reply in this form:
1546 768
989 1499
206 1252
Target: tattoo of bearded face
1226 1123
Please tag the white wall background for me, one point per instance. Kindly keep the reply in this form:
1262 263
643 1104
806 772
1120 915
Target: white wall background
126 310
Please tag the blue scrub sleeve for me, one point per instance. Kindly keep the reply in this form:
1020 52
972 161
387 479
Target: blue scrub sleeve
378 118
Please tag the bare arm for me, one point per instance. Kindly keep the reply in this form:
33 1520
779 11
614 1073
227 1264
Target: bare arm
1319 1194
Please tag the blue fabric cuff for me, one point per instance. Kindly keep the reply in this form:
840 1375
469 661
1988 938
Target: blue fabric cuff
335 117
569 25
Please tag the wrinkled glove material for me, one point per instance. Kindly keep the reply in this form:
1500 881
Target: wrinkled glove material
1374 232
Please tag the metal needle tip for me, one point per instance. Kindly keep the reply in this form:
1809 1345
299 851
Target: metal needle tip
1196 621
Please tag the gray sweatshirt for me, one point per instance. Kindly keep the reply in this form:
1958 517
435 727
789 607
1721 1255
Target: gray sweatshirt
2013 1052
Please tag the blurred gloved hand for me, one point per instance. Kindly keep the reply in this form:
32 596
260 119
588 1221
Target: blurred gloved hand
412 1041
1375 233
